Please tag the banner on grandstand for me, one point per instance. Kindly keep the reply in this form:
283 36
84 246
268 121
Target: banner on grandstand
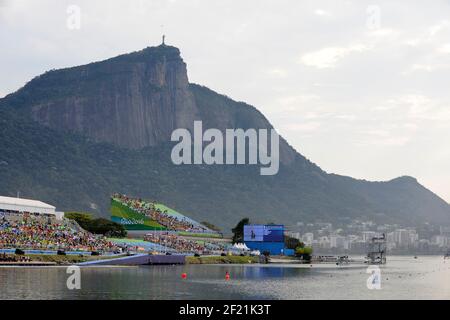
131 219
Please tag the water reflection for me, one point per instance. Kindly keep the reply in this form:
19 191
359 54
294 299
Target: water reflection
428 278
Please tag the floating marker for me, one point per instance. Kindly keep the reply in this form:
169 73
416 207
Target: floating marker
183 275
227 276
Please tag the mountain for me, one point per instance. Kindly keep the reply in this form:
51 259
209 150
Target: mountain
73 136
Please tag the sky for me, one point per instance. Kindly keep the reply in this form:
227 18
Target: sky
360 88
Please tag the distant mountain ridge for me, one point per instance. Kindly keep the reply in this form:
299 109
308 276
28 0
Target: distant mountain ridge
75 135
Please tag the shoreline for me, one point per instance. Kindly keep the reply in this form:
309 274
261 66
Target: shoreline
223 260
42 260
54 260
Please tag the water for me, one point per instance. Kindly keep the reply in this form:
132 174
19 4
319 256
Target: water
402 278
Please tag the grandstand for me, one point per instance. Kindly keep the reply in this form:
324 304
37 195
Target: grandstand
164 229
185 245
138 214
33 228
143 246
132 219
45 234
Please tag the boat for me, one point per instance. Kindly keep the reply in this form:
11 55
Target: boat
342 260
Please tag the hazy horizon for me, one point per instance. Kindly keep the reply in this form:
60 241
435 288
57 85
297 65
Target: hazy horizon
357 87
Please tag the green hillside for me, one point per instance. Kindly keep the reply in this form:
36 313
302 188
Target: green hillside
76 172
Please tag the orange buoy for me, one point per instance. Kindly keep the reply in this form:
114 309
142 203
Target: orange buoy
227 276
183 275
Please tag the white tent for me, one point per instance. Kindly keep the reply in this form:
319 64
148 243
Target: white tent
241 246
25 205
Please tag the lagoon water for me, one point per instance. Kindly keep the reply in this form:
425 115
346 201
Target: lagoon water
427 277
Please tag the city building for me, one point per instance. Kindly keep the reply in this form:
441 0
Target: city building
308 238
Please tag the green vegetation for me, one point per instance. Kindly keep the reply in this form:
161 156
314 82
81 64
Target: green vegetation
292 243
67 259
238 231
82 218
210 226
222 260
305 253
97 225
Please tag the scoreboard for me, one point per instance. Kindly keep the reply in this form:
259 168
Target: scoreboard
263 233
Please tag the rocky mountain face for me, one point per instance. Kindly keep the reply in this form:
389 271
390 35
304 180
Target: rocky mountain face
132 101
75 135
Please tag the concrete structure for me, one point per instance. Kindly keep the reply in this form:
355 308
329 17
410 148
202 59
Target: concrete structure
377 250
25 205
138 259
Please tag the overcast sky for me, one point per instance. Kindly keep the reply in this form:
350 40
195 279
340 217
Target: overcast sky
360 88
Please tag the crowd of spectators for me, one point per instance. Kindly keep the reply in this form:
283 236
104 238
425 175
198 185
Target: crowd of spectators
149 209
175 242
184 245
31 232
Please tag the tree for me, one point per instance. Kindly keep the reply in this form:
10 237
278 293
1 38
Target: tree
97 226
292 243
80 217
238 231
107 227
305 253
210 226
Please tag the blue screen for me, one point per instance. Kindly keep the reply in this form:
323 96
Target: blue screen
266 233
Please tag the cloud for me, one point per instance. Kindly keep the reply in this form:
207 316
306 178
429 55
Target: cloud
306 126
434 29
322 13
329 57
384 141
444 49
383 32
4 3
420 107
348 117
424 67
277 72
296 102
